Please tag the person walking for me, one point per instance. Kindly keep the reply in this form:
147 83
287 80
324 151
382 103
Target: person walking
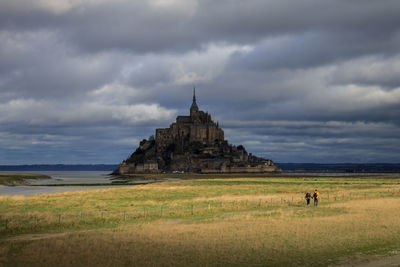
316 197
308 198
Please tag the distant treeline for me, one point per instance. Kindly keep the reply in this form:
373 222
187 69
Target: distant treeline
59 167
341 167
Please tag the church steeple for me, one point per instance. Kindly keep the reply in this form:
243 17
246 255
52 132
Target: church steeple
194 108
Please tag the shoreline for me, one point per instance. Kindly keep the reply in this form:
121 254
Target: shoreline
15 179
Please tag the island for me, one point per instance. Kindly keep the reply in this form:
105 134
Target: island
193 144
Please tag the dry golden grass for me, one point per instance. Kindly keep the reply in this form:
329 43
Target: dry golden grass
233 224
284 240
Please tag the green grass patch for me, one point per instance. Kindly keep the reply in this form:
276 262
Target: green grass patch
19 179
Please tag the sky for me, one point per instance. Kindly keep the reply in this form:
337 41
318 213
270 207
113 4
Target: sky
83 81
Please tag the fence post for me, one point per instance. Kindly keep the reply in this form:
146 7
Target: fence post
192 210
259 202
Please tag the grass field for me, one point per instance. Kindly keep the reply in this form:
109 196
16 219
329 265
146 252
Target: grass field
210 222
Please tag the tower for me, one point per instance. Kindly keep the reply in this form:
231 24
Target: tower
194 109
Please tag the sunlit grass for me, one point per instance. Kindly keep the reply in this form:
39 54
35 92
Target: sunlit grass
252 221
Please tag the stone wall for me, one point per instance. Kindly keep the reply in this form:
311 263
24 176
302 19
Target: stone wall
256 169
147 167
163 138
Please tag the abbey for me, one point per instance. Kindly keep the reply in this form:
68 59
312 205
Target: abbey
193 143
198 127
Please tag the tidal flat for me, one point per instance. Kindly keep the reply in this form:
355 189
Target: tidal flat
222 221
11 179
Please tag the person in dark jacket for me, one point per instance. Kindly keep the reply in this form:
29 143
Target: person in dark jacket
308 198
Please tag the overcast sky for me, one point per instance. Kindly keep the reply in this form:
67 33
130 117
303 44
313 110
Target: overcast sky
83 81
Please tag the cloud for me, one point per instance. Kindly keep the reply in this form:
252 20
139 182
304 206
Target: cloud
39 64
371 70
321 142
145 26
204 66
34 112
294 81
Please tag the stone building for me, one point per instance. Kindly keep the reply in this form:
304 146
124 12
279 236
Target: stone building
198 127
193 143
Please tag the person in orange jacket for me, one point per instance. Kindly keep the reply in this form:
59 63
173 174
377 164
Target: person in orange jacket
316 197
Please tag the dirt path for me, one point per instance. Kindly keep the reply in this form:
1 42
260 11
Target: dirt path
30 237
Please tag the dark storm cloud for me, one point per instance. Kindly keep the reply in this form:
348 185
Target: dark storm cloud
176 25
311 49
83 81
39 64
334 143
349 91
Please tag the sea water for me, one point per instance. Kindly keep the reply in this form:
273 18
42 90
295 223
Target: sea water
41 186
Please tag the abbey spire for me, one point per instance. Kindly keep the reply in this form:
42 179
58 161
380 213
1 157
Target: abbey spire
194 108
